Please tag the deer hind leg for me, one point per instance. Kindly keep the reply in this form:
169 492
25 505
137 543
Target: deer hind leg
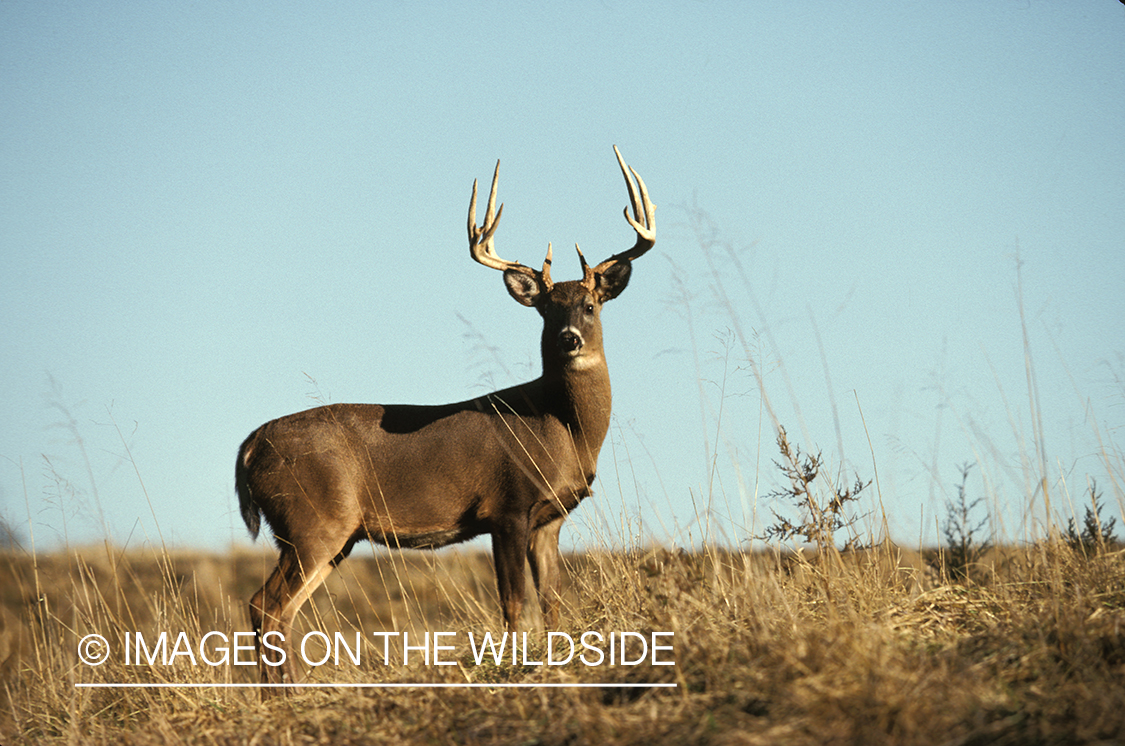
543 556
274 607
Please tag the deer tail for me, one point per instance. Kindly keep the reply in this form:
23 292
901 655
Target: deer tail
251 513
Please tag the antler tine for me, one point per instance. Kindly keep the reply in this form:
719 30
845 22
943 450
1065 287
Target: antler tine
643 209
481 247
545 275
587 271
480 239
643 218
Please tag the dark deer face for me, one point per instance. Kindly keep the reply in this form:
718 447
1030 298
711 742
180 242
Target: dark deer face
571 311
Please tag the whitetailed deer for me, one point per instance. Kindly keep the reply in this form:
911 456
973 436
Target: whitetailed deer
512 463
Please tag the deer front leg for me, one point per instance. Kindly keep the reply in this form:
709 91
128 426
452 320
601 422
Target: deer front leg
543 556
509 547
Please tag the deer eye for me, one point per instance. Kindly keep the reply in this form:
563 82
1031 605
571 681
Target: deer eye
589 309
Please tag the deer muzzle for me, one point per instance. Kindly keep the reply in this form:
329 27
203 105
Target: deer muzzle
570 341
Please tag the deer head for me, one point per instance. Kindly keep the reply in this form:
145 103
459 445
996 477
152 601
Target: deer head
570 310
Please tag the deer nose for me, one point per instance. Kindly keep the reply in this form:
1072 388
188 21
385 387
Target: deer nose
569 341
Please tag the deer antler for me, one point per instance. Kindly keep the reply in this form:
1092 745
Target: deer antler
480 239
643 218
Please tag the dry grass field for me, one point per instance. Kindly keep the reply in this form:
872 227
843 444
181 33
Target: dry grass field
869 647
822 633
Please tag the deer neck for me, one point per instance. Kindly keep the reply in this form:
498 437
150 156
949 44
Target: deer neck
582 400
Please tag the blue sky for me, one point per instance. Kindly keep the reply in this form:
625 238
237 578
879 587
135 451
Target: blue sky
212 215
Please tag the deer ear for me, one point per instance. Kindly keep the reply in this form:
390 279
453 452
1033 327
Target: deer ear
609 283
522 286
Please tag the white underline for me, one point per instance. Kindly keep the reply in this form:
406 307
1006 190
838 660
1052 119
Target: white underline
113 685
